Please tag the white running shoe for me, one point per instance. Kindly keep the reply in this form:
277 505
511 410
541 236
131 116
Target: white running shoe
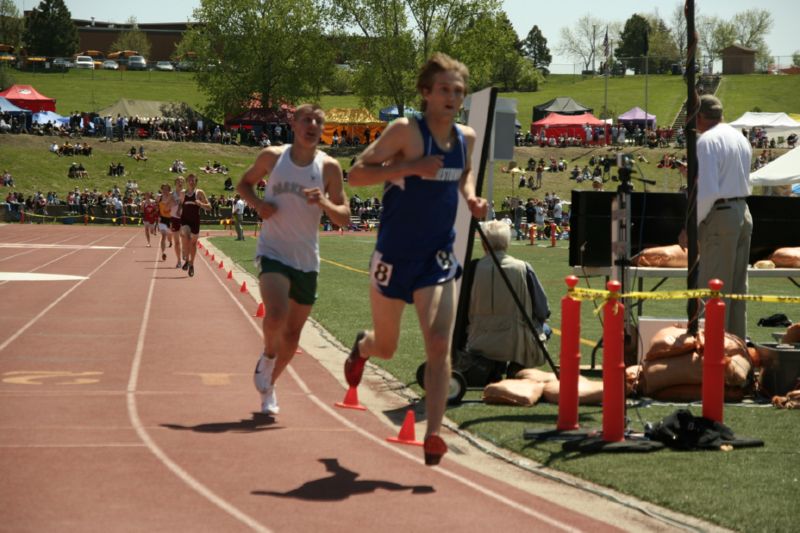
262 376
269 402
262 379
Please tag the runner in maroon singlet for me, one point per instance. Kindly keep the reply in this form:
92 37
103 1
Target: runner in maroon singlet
193 200
149 215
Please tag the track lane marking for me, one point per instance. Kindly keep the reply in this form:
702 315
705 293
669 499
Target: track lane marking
394 448
136 422
47 309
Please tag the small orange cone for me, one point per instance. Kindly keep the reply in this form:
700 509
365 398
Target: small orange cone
220 264
213 258
230 274
351 400
407 433
260 311
243 288
206 252
199 244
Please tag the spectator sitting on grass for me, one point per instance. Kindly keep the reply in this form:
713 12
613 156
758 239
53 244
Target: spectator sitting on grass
497 329
8 181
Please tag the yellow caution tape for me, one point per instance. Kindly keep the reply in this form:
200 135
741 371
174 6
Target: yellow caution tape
598 294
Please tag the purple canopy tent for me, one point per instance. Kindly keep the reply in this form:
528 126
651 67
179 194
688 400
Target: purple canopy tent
636 116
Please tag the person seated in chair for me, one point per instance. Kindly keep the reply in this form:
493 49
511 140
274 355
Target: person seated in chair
497 329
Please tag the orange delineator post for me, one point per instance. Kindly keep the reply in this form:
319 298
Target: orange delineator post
532 233
570 360
613 368
552 234
714 356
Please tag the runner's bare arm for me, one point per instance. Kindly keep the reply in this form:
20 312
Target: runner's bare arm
477 205
262 166
387 158
334 200
202 200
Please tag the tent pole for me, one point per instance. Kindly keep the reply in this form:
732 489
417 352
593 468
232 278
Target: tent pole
692 105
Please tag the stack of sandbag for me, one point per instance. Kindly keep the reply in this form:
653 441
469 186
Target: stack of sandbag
530 384
672 369
786 257
672 256
792 398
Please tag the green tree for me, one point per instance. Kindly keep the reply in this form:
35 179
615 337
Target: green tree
663 51
439 22
634 43
796 58
387 60
747 28
132 39
11 24
398 35
535 48
49 30
272 52
501 64
583 40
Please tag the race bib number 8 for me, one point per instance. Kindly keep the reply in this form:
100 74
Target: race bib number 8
380 272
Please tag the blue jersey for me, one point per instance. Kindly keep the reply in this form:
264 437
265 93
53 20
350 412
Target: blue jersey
419 214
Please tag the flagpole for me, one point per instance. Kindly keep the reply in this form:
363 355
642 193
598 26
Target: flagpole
605 95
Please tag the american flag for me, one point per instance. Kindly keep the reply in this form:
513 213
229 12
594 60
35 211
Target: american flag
606 50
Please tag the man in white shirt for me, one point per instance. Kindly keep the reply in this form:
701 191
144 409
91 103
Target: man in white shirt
238 213
724 221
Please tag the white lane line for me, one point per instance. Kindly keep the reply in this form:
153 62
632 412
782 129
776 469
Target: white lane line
106 445
71 253
381 442
47 309
133 414
26 252
58 246
31 276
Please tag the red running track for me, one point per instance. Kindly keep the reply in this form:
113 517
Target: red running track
127 404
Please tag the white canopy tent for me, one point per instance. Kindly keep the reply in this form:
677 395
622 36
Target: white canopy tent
777 121
784 170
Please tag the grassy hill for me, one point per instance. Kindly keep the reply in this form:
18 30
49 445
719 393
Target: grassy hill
87 90
35 169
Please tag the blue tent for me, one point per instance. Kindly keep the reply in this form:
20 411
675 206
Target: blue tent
390 113
48 116
8 107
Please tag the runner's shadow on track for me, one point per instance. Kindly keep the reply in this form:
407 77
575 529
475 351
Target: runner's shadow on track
398 415
259 422
341 485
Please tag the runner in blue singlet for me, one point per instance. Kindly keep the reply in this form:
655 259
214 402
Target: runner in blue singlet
425 164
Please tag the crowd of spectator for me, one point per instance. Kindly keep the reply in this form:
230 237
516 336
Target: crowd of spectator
618 135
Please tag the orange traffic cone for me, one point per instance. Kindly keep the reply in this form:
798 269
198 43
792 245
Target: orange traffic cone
199 244
220 264
351 400
207 252
243 288
260 311
407 434
213 258
230 274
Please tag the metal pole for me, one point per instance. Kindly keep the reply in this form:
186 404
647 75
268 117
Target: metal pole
692 105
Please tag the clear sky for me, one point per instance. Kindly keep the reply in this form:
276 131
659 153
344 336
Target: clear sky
550 16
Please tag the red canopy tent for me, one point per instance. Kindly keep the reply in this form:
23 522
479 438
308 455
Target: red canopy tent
27 97
556 125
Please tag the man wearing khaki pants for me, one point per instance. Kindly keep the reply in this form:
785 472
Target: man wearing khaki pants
724 221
